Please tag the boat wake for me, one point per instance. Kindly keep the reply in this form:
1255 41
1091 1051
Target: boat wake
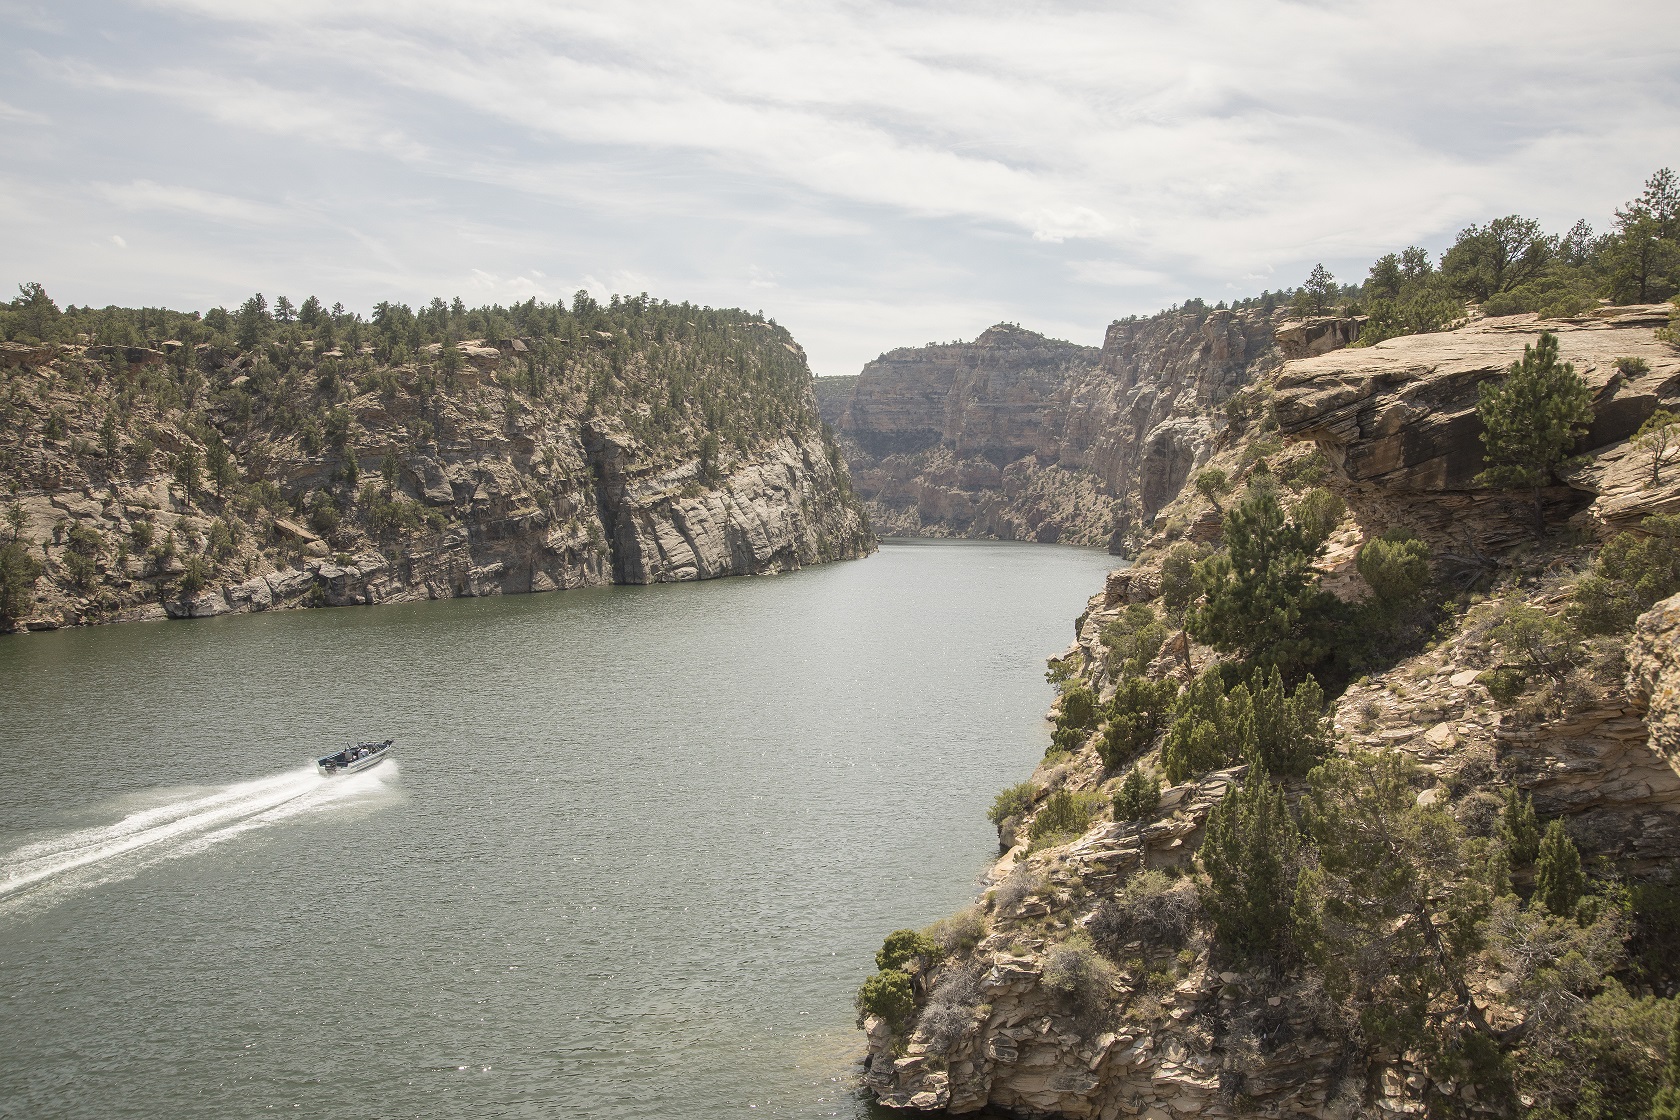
53 867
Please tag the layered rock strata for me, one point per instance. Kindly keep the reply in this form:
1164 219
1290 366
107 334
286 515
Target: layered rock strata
1173 1033
1017 436
504 492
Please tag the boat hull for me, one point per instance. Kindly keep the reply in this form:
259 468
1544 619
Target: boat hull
348 762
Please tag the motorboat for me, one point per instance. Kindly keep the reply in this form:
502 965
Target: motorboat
353 760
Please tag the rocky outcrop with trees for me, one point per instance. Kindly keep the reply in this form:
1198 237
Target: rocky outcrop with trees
1019 437
1361 799
159 463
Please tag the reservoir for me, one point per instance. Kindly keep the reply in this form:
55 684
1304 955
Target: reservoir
632 856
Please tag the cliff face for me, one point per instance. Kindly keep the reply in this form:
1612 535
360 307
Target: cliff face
1020 437
1170 1025
373 480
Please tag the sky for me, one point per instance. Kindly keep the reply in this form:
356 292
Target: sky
869 174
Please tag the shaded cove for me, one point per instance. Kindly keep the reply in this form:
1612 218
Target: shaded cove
634 854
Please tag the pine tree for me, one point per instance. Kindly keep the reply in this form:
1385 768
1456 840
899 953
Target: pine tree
1263 601
1519 829
1137 797
1249 853
1369 915
1531 419
1559 881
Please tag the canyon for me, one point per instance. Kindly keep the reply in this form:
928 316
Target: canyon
1175 1026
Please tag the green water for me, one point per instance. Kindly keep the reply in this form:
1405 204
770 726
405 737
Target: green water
634 853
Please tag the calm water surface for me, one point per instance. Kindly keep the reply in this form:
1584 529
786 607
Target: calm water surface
635 852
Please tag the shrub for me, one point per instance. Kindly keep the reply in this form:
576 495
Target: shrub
1079 708
1138 797
1074 969
1318 513
1150 908
1178 579
1138 711
194 577
1519 830
1133 640
1396 566
1249 853
889 996
1012 802
1542 643
1633 572
1559 881
1022 882
1530 419
1064 812
1212 482
950 1010
906 950
1657 439
960 932
1263 600
1632 367
1503 684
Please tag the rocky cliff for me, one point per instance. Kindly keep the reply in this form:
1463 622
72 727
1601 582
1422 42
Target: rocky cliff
1020 437
1014 1009
639 444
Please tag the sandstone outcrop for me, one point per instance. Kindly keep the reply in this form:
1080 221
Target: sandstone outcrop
1398 420
478 486
1017 436
1160 1030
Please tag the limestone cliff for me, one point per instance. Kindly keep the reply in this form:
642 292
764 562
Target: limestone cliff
1017 436
200 480
1167 1026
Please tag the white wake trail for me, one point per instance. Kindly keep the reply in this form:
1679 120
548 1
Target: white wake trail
178 828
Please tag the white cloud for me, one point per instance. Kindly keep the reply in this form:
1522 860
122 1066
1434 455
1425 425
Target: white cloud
117 240
868 166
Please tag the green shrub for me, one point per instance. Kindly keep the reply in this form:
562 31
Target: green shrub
1079 708
906 950
1542 643
1396 566
1559 881
1263 601
1249 853
1138 797
1633 572
889 996
1064 813
1178 579
1012 802
1318 513
1138 711
1519 829
1133 640
1503 684
194 577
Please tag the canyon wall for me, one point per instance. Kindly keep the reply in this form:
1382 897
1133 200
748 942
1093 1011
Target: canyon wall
1172 1024
144 485
1019 437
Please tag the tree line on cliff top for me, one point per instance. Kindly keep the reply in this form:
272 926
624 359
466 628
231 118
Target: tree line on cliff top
1508 266
255 412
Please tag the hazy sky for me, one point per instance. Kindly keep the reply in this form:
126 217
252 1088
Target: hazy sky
870 174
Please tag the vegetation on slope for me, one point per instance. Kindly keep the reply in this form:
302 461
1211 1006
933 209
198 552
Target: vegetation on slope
268 425
1414 917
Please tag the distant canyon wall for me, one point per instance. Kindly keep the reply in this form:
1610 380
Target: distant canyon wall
1016 436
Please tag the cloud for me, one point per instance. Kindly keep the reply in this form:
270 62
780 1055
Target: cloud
881 163
143 194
